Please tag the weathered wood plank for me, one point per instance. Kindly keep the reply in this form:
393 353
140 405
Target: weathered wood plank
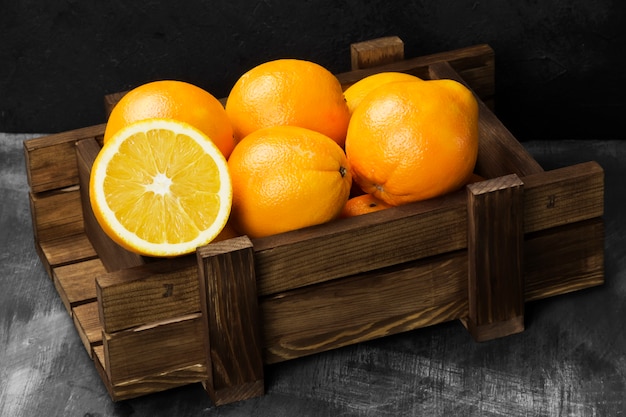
495 255
76 283
231 317
158 348
51 160
376 52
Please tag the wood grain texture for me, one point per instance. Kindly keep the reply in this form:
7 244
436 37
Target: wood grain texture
360 244
76 282
156 291
56 214
87 323
157 348
314 319
376 52
495 257
232 330
51 161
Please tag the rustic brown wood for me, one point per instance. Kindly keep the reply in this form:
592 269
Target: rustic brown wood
156 348
562 196
113 256
376 52
65 251
51 160
56 214
148 384
365 306
495 255
499 152
76 283
87 324
564 259
231 319
360 244
156 291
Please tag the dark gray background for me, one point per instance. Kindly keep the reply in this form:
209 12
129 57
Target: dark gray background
559 63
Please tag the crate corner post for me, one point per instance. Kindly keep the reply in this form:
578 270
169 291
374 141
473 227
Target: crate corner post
495 258
229 302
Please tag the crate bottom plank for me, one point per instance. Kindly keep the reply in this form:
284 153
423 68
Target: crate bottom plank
64 251
87 323
75 283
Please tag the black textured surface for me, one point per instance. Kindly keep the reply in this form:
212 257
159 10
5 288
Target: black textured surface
559 63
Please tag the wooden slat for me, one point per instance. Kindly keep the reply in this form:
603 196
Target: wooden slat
148 384
51 160
564 195
360 244
159 348
564 259
376 52
149 293
495 254
87 324
56 214
363 307
65 251
231 319
76 283
499 152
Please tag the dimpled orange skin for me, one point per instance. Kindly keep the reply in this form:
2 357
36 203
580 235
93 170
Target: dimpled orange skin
289 92
410 141
285 178
177 100
362 204
360 89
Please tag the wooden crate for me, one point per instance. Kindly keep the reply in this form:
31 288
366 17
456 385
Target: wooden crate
220 315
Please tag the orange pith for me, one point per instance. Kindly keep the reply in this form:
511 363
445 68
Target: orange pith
359 90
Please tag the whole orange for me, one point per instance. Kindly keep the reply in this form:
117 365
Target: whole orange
285 178
357 91
362 204
291 92
179 100
409 141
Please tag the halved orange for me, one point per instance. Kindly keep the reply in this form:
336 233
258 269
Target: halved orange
160 187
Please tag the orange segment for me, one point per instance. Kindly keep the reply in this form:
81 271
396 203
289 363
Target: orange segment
160 187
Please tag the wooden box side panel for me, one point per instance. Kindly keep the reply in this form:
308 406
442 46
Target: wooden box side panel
363 307
51 160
